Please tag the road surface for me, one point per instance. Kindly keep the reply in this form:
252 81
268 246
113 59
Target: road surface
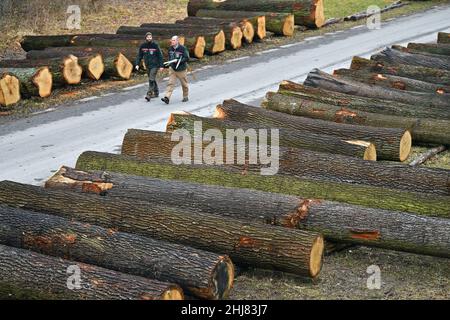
32 149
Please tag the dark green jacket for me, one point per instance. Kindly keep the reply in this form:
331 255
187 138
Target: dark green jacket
151 53
179 53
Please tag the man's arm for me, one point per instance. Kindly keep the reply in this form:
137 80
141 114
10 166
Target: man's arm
185 57
160 58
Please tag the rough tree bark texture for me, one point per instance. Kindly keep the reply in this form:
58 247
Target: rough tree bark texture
443 37
435 48
33 81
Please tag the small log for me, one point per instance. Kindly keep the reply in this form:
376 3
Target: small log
434 48
443 37
427 155
9 89
33 81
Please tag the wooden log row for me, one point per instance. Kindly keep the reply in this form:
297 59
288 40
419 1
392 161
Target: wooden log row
346 223
443 59
238 177
295 251
308 13
423 130
30 275
391 144
201 273
9 89
35 82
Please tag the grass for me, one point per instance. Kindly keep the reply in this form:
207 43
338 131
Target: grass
343 8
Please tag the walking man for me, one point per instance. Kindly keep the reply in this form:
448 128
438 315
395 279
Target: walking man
178 58
153 59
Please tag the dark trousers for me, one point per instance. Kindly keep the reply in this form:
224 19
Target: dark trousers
152 85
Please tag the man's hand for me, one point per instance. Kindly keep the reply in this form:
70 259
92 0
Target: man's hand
161 69
137 67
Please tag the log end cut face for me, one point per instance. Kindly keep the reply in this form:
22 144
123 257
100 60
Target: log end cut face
371 151
261 31
123 66
319 15
316 256
219 42
236 38
72 70
43 80
173 293
200 45
9 90
248 31
405 146
96 67
289 25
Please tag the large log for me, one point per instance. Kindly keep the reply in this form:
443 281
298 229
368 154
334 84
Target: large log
117 66
34 275
65 70
424 55
319 79
435 48
423 130
390 81
396 56
287 137
93 66
9 89
375 105
347 223
391 144
33 81
201 273
232 176
295 251
432 75
308 13
277 22
443 37
307 164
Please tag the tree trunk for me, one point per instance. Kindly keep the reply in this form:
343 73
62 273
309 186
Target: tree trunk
375 105
231 176
391 82
276 22
424 157
287 137
308 13
33 81
34 275
203 274
443 37
398 57
64 70
424 55
423 130
319 79
437 76
118 66
403 230
391 144
9 89
434 48
295 251
93 66
308 164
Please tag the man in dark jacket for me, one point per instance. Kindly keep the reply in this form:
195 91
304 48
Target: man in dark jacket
153 59
179 56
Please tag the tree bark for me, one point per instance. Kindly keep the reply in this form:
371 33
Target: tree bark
434 48
203 274
9 90
117 66
423 130
319 79
437 76
427 155
33 81
391 82
405 231
35 275
375 105
308 13
295 251
287 137
64 70
231 176
443 37
398 57
424 55
276 22
391 144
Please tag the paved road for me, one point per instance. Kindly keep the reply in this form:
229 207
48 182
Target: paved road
31 149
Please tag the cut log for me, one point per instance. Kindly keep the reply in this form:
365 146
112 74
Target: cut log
425 55
434 48
423 130
295 251
9 89
427 155
276 22
118 67
319 79
287 137
31 274
231 176
375 105
391 82
306 164
33 81
64 70
308 13
203 274
391 144
93 66
432 75
443 37
395 230
398 57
